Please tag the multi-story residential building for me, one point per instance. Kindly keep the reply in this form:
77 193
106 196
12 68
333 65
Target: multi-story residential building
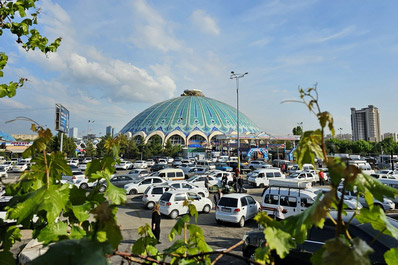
110 130
73 133
365 124
393 135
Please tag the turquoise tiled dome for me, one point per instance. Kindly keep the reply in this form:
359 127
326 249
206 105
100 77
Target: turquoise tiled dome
189 113
6 137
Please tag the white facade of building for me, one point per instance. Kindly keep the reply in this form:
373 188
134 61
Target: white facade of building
365 124
73 133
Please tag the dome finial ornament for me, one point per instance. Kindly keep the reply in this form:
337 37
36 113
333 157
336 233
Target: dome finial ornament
192 92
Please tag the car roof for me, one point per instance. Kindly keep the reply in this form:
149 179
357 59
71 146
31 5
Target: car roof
234 195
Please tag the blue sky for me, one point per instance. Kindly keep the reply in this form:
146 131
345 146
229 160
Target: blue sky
119 57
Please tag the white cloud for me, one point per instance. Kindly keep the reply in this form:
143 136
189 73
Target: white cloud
12 103
261 42
152 30
340 34
205 22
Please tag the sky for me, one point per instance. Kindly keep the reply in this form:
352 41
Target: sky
118 58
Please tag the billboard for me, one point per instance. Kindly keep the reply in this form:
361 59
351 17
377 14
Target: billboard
61 118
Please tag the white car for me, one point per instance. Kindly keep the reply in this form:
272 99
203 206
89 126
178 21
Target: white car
386 204
200 181
220 174
172 203
150 162
258 164
385 174
236 208
152 194
83 165
140 185
3 172
185 186
304 175
138 172
7 165
260 177
20 167
140 164
73 162
122 165
162 161
76 175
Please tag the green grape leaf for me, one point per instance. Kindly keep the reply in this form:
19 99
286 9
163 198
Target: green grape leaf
77 232
197 237
82 212
391 256
309 147
115 195
337 252
106 222
178 227
53 232
279 240
324 119
7 258
378 219
9 235
262 255
75 251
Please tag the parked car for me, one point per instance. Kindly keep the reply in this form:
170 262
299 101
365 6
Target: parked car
7 165
140 185
386 204
171 174
318 236
73 162
122 166
162 161
385 174
205 164
3 172
220 174
76 175
196 171
158 167
200 181
83 165
177 162
119 181
20 167
152 194
304 175
186 167
236 208
130 165
260 177
150 162
138 172
185 186
140 164
172 203
223 167
258 164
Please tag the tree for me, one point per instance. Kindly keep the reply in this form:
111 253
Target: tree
153 147
68 145
101 149
19 18
128 147
297 130
90 149
171 150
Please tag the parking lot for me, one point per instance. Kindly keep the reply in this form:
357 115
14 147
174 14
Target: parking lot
132 215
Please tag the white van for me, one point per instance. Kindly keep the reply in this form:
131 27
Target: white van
260 177
362 165
171 174
293 200
205 164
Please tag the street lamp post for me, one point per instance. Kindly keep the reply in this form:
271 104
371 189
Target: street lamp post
340 129
237 77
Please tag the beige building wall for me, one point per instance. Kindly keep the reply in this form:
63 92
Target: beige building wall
30 137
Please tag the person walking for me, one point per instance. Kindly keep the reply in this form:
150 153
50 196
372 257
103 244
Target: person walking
207 182
224 181
240 183
217 197
322 177
235 183
156 222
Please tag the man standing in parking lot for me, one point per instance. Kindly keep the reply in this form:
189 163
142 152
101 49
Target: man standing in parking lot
207 182
240 183
217 197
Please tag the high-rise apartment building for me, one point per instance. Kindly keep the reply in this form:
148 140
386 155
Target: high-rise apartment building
73 133
365 124
393 135
110 130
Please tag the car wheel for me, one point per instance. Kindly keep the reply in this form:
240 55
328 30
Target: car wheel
150 205
206 209
102 188
132 192
201 194
242 222
261 185
174 214
84 186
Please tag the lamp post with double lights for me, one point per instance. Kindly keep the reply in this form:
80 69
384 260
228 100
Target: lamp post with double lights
341 137
237 77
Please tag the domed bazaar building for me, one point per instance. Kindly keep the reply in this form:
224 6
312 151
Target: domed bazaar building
191 120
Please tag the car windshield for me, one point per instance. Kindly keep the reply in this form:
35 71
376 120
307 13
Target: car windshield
295 175
229 202
165 197
192 178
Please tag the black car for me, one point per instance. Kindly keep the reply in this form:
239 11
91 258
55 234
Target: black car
158 167
316 239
